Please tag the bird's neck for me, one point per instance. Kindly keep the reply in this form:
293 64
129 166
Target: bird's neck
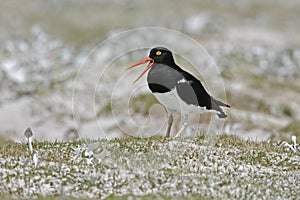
175 66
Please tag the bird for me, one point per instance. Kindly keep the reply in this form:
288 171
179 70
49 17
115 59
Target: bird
176 89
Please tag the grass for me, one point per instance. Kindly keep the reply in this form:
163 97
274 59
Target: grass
210 167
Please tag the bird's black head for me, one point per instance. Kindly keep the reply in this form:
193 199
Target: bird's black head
162 55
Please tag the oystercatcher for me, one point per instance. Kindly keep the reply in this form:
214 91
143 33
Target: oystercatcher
176 89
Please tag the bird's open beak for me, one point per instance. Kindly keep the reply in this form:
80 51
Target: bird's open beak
148 59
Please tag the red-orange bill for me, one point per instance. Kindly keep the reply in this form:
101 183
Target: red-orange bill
148 59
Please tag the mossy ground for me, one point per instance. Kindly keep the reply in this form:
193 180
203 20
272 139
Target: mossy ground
210 167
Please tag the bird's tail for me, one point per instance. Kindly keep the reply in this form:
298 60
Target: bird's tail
220 103
216 105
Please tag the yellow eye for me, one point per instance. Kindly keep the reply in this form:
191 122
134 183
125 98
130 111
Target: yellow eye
158 53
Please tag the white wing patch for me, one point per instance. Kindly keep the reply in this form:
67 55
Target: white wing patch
182 81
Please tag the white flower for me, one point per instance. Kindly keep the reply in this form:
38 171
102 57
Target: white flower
28 134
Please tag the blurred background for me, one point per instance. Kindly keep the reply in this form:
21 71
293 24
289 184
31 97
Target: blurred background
44 44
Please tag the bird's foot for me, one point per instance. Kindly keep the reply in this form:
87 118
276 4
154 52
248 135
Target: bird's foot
181 129
167 135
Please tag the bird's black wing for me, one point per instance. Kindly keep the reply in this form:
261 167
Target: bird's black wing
191 91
